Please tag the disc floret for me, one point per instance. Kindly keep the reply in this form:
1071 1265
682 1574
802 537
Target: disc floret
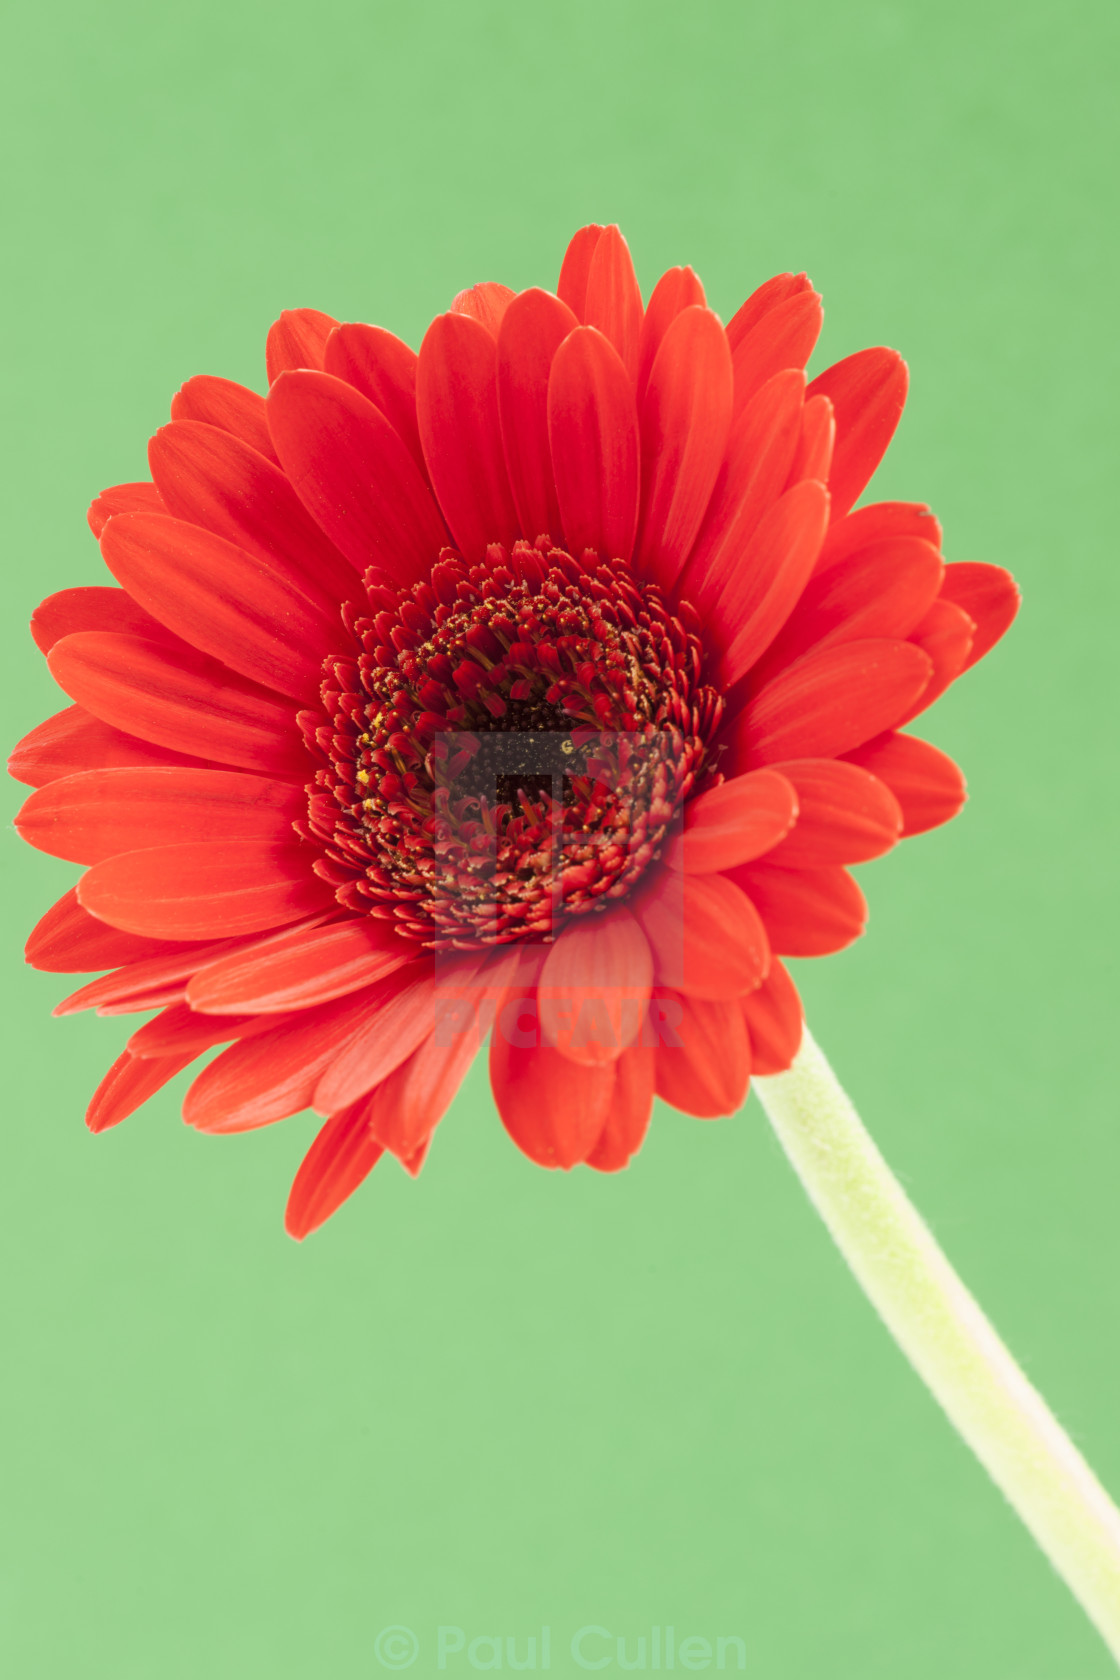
508 745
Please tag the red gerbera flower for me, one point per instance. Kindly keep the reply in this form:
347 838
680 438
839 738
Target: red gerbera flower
545 679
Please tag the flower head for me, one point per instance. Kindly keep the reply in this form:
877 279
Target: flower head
543 684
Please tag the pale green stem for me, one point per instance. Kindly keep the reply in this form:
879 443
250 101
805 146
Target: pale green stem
945 1336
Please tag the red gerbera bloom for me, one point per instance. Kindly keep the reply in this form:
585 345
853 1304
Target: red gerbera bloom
545 679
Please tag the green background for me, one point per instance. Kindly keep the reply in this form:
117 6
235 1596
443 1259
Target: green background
496 1397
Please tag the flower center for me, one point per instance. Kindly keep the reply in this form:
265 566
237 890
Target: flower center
508 744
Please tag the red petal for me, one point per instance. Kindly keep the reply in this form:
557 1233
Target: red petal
342 1156
485 303
784 338
141 1002
553 1109
593 433
705 936
572 285
142 497
925 781
177 1029
533 328
685 416
884 590
767 297
201 889
227 603
990 597
945 635
383 368
68 940
845 815
73 741
177 703
868 392
269 1077
355 475
807 912
678 289
877 522
415 1162
116 994
91 816
760 594
423 1031
95 608
707 1073
733 823
398 1020
614 302
774 1021
129 1082
831 701
759 451
457 404
212 479
594 987
628 1116
137 1000
813 457
407 1106
297 340
233 408
299 969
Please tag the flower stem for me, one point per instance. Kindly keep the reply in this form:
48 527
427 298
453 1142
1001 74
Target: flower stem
945 1335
